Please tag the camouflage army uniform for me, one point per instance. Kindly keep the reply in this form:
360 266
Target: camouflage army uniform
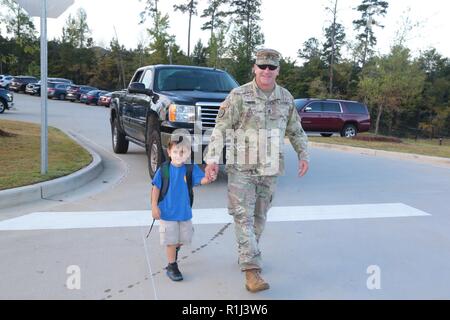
251 186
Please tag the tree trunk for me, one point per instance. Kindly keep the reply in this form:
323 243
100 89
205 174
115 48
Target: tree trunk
333 48
377 125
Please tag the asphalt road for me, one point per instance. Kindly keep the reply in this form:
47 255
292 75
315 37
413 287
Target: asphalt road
338 251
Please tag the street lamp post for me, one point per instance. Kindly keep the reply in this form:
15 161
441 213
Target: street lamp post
44 95
44 9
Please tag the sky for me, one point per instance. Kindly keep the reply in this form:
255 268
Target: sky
286 24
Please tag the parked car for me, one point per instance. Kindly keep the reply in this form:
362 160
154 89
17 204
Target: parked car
5 81
327 116
105 100
74 92
19 83
60 80
33 88
93 96
6 100
83 97
57 90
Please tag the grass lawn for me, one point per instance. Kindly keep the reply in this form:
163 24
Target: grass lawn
422 147
20 155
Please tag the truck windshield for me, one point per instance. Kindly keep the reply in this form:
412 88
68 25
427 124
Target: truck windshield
183 79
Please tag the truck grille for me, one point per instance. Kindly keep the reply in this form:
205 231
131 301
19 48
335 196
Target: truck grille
208 113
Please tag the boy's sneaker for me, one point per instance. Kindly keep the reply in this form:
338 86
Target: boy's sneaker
173 272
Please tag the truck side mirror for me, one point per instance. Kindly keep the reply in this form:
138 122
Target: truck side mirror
139 88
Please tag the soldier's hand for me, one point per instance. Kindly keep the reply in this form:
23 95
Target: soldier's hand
212 171
303 167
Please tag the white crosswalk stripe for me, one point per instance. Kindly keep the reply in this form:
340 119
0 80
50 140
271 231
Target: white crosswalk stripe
110 219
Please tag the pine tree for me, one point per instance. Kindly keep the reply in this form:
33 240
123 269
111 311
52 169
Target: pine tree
246 37
334 36
77 32
191 8
218 28
370 11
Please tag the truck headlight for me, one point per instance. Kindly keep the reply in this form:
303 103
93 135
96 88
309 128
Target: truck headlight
181 113
10 97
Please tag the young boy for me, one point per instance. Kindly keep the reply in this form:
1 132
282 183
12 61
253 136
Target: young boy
174 210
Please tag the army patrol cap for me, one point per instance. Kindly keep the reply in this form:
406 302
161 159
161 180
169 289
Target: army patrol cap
268 57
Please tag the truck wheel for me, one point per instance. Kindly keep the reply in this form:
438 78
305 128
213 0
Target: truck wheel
2 106
119 142
154 152
349 131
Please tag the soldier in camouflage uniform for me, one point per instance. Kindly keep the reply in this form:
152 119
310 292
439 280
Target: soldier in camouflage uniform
259 106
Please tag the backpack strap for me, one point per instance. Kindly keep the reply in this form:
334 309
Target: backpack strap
189 169
165 178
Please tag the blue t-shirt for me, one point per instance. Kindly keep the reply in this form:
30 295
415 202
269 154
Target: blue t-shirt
176 205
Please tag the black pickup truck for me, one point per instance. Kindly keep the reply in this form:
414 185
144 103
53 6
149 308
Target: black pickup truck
163 98
6 100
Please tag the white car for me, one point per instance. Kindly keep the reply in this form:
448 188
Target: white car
5 81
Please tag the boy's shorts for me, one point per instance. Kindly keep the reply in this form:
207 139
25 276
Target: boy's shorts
172 233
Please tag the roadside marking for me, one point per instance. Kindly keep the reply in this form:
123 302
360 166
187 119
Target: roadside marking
122 219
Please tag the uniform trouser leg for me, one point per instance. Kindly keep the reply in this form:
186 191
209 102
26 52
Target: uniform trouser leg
265 190
249 201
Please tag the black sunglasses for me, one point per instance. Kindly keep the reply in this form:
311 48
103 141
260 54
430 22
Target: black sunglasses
265 66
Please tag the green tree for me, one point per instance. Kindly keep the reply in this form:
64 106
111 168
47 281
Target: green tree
200 54
163 49
318 89
391 82
289 77
312 74
335 36
20 26
77 32
215 16
435 108
218 29
246 36
217 48
150 10
371 11
310 50
191 8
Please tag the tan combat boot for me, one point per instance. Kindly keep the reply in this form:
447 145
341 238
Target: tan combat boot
254 282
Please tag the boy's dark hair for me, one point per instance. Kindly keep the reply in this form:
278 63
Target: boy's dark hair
179 141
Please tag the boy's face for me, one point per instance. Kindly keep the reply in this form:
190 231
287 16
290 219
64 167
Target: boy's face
179 154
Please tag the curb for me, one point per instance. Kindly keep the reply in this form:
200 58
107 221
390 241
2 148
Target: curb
47 189
388 154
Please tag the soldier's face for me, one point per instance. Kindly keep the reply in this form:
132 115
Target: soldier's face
265 78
